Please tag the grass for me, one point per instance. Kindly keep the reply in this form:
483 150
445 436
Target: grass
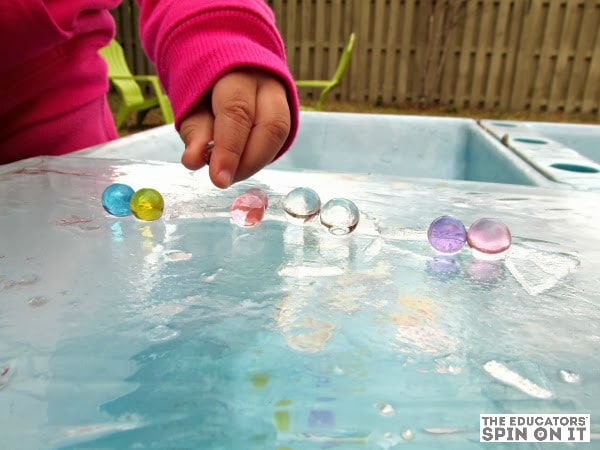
154 118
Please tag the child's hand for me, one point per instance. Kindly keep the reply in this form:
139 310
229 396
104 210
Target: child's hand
249 120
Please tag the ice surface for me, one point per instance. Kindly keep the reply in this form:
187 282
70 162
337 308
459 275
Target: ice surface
190 332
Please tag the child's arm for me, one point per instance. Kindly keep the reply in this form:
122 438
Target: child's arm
222 63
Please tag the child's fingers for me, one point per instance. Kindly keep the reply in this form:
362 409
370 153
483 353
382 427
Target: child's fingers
233 102
196 132
271 128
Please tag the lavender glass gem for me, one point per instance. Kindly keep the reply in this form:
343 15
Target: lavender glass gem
489 236
447 234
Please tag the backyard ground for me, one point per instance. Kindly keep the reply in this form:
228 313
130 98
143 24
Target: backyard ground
154 117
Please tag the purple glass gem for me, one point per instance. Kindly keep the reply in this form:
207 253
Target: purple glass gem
321 419
447 234
489 236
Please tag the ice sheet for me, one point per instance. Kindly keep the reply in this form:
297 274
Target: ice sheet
189 332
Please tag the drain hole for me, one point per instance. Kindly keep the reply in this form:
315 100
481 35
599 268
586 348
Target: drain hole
530 141
504 124
575 168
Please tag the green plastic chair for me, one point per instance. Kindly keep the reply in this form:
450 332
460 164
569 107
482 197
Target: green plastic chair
329 85
126 84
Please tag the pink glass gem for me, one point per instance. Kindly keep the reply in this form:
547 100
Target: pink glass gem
260 194
247 210
489 236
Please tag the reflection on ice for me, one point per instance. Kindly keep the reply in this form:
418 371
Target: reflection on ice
37 301
507 376
6 372
569 377
442 430
537 270
407 435
73 435
372 249
162 333
309 272
385 409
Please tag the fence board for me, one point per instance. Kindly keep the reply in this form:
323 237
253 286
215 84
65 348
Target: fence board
305 66
576 82
390 68
464 68
506 54
547 56
431 81
335 30
355 76
291 36
526 60
591 96
320 41
362 16
514 33
377 47
451 48
480 72
415 76
406 48
498 57
563 67
278 10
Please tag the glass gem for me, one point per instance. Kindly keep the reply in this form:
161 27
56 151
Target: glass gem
447 234
147 204
489 237
340 216
302 203
247 210
116 198
260 194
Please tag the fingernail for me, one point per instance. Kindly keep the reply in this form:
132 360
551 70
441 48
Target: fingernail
225 177
208 151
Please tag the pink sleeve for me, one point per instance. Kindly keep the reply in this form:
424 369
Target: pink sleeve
193 43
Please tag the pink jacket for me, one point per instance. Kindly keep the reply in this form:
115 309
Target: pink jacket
53 82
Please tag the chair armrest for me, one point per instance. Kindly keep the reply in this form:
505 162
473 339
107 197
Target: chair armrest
152 79
149 78
313 83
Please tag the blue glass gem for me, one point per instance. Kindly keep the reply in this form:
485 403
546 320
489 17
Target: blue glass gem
116 198
447 234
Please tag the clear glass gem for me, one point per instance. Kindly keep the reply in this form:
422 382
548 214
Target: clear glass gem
302 203
340 216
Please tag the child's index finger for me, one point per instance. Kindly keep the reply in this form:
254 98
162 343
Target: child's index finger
233 102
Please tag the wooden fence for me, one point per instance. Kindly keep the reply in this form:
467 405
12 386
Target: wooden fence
541 55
